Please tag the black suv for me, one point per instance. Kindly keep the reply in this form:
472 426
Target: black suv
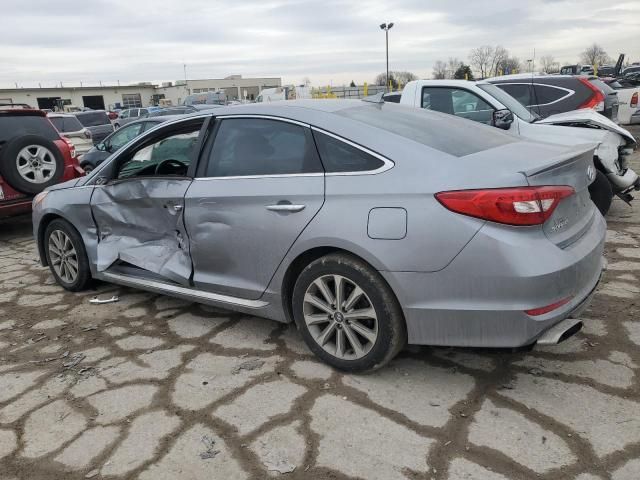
550 94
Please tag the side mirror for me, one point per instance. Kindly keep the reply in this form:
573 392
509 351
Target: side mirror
101 147
502 119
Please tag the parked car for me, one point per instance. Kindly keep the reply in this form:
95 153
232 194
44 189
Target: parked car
484 102
69 126
576 70
629 70
97 122
117 140
161 112
207 98
550 94
33 156
132 114
370 226
628 93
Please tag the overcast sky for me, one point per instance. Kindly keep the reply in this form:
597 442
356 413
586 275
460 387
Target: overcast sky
49 41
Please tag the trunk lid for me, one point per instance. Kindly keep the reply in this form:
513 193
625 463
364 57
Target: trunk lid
587 118
574 215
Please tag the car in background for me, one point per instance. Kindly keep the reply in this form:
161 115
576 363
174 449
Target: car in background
547 95
132 114
33 156
69 126
97 122
117 140
628 99
484 102
629 70
373 226
113 114
392 97
576 70
161 112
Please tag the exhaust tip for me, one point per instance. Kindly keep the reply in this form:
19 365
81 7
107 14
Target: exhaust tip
560 332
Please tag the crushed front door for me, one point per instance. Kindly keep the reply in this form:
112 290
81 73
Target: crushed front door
140 222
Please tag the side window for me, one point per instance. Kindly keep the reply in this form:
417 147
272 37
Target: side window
168 156
120 138
125 114
251 146
134 113
458 102
546 94
520 92
339 157
143 111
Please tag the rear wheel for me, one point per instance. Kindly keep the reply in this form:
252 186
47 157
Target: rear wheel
66 255
31 163
347 314
601 192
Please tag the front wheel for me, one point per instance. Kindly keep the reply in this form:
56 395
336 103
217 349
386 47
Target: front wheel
601 192
347 314
66 256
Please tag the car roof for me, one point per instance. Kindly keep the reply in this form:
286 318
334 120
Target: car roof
86 112
60 115
160 119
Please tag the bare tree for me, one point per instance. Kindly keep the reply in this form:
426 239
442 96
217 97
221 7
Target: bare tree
404 77
439 70
595 55
480 59
549 65
508 65
396 78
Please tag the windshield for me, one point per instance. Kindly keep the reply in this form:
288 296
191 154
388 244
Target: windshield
508 101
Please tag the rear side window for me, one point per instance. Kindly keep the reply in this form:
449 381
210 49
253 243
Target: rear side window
546 94
93 119
521 92
66 124
339 157
12 126
251 146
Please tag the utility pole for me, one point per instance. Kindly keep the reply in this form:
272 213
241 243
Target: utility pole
386 27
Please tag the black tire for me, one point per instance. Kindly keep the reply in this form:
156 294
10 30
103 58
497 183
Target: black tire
83 277
9 164
601 192
87 167
391 328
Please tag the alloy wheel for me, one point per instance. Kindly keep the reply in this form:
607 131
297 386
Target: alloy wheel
63 256
340 317
36 164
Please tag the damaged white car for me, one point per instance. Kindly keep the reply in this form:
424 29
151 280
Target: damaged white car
486 103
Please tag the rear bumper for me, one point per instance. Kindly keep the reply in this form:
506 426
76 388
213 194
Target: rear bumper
480 299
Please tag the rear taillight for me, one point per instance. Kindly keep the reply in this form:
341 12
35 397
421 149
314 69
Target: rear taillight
597 97
511 206
72 147
634 100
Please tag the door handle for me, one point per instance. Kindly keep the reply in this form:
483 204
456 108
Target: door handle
285 207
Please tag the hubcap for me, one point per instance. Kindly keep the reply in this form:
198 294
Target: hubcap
62 254
340 317
36 164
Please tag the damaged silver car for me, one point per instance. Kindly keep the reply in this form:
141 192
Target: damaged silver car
368 225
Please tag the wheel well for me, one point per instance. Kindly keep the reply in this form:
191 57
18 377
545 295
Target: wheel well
44 222
299 264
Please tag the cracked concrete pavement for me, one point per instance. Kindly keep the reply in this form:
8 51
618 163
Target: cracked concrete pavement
155 388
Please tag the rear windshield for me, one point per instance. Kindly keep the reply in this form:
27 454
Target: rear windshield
17 125
440 131
66 124
93 119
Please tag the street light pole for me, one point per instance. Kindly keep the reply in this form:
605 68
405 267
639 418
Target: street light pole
386 27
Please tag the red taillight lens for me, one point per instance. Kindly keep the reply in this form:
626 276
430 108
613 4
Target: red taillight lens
597 97
634 100
534 312
511 206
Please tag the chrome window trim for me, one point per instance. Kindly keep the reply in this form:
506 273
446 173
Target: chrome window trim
262 117
387 164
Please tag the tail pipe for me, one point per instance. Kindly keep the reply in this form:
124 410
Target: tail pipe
560 332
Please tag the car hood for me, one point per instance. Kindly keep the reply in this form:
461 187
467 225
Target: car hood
587 117
61 186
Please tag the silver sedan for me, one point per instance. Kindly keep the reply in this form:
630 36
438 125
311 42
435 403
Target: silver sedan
368 225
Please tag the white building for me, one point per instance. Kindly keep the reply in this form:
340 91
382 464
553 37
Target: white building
138 95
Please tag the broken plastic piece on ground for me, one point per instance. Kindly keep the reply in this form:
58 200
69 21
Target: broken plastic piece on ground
99 301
